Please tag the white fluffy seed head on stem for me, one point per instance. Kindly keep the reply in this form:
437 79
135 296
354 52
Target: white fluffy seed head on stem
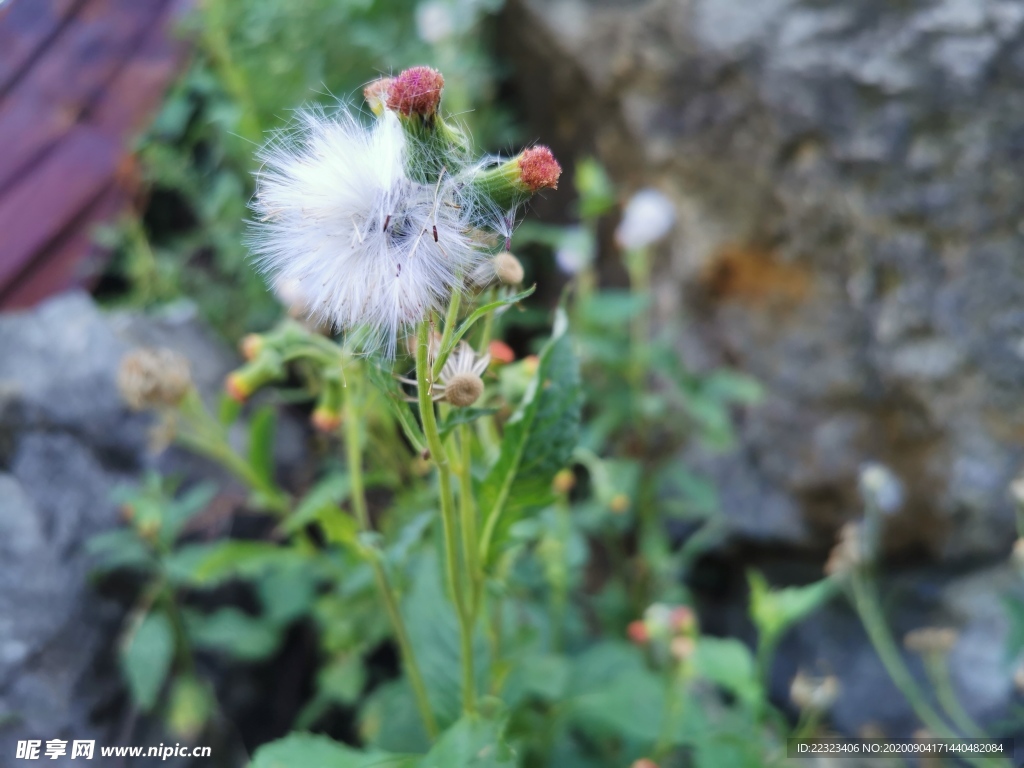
338 213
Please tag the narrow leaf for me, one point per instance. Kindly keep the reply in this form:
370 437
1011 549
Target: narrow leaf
147 659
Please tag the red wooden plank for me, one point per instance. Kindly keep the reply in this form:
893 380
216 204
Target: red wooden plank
136 92
68 78
26 28
44 203
72 259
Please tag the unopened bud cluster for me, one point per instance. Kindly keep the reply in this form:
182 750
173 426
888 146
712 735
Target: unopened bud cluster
667 626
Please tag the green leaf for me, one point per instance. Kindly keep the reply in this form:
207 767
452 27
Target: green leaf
632 704
228 410
343 679
325 496
390 720
434 633
189 707
120 548
147 659
213 563
473 742
475 315
538 441
774 610
733 387
177 513
543 675
398 405
261 443
728 662
235 633
459 416
306 750
614 308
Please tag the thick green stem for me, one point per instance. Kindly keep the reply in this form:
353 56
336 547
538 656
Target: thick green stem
448 514
354 457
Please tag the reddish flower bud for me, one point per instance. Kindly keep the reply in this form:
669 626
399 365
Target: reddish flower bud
326 420
538 169
681 619
416 91
236 388
251 345
501 352
637 632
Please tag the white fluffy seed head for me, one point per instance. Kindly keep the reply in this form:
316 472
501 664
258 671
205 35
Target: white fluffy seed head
372 248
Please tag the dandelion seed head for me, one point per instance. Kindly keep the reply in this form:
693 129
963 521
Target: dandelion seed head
338 214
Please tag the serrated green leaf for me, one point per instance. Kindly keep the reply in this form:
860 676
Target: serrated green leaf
538 441
146 659
261 443
210 564
307 750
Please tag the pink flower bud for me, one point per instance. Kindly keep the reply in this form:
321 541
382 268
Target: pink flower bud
538 169
416 91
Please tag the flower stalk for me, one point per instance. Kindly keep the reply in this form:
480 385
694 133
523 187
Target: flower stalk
448 514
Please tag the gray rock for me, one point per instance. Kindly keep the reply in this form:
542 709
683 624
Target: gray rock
66 443
846 176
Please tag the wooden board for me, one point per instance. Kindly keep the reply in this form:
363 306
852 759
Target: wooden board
78 79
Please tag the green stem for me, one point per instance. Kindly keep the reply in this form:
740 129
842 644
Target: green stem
638 267
674 696
468 515
451 319
938 672
354 457
448 515
866 602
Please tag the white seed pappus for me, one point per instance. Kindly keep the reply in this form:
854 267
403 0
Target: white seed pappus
372 248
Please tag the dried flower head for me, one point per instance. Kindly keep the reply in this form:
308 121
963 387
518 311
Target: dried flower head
931 640
644 763
849 551
340 218
813 693
153 378
460 383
